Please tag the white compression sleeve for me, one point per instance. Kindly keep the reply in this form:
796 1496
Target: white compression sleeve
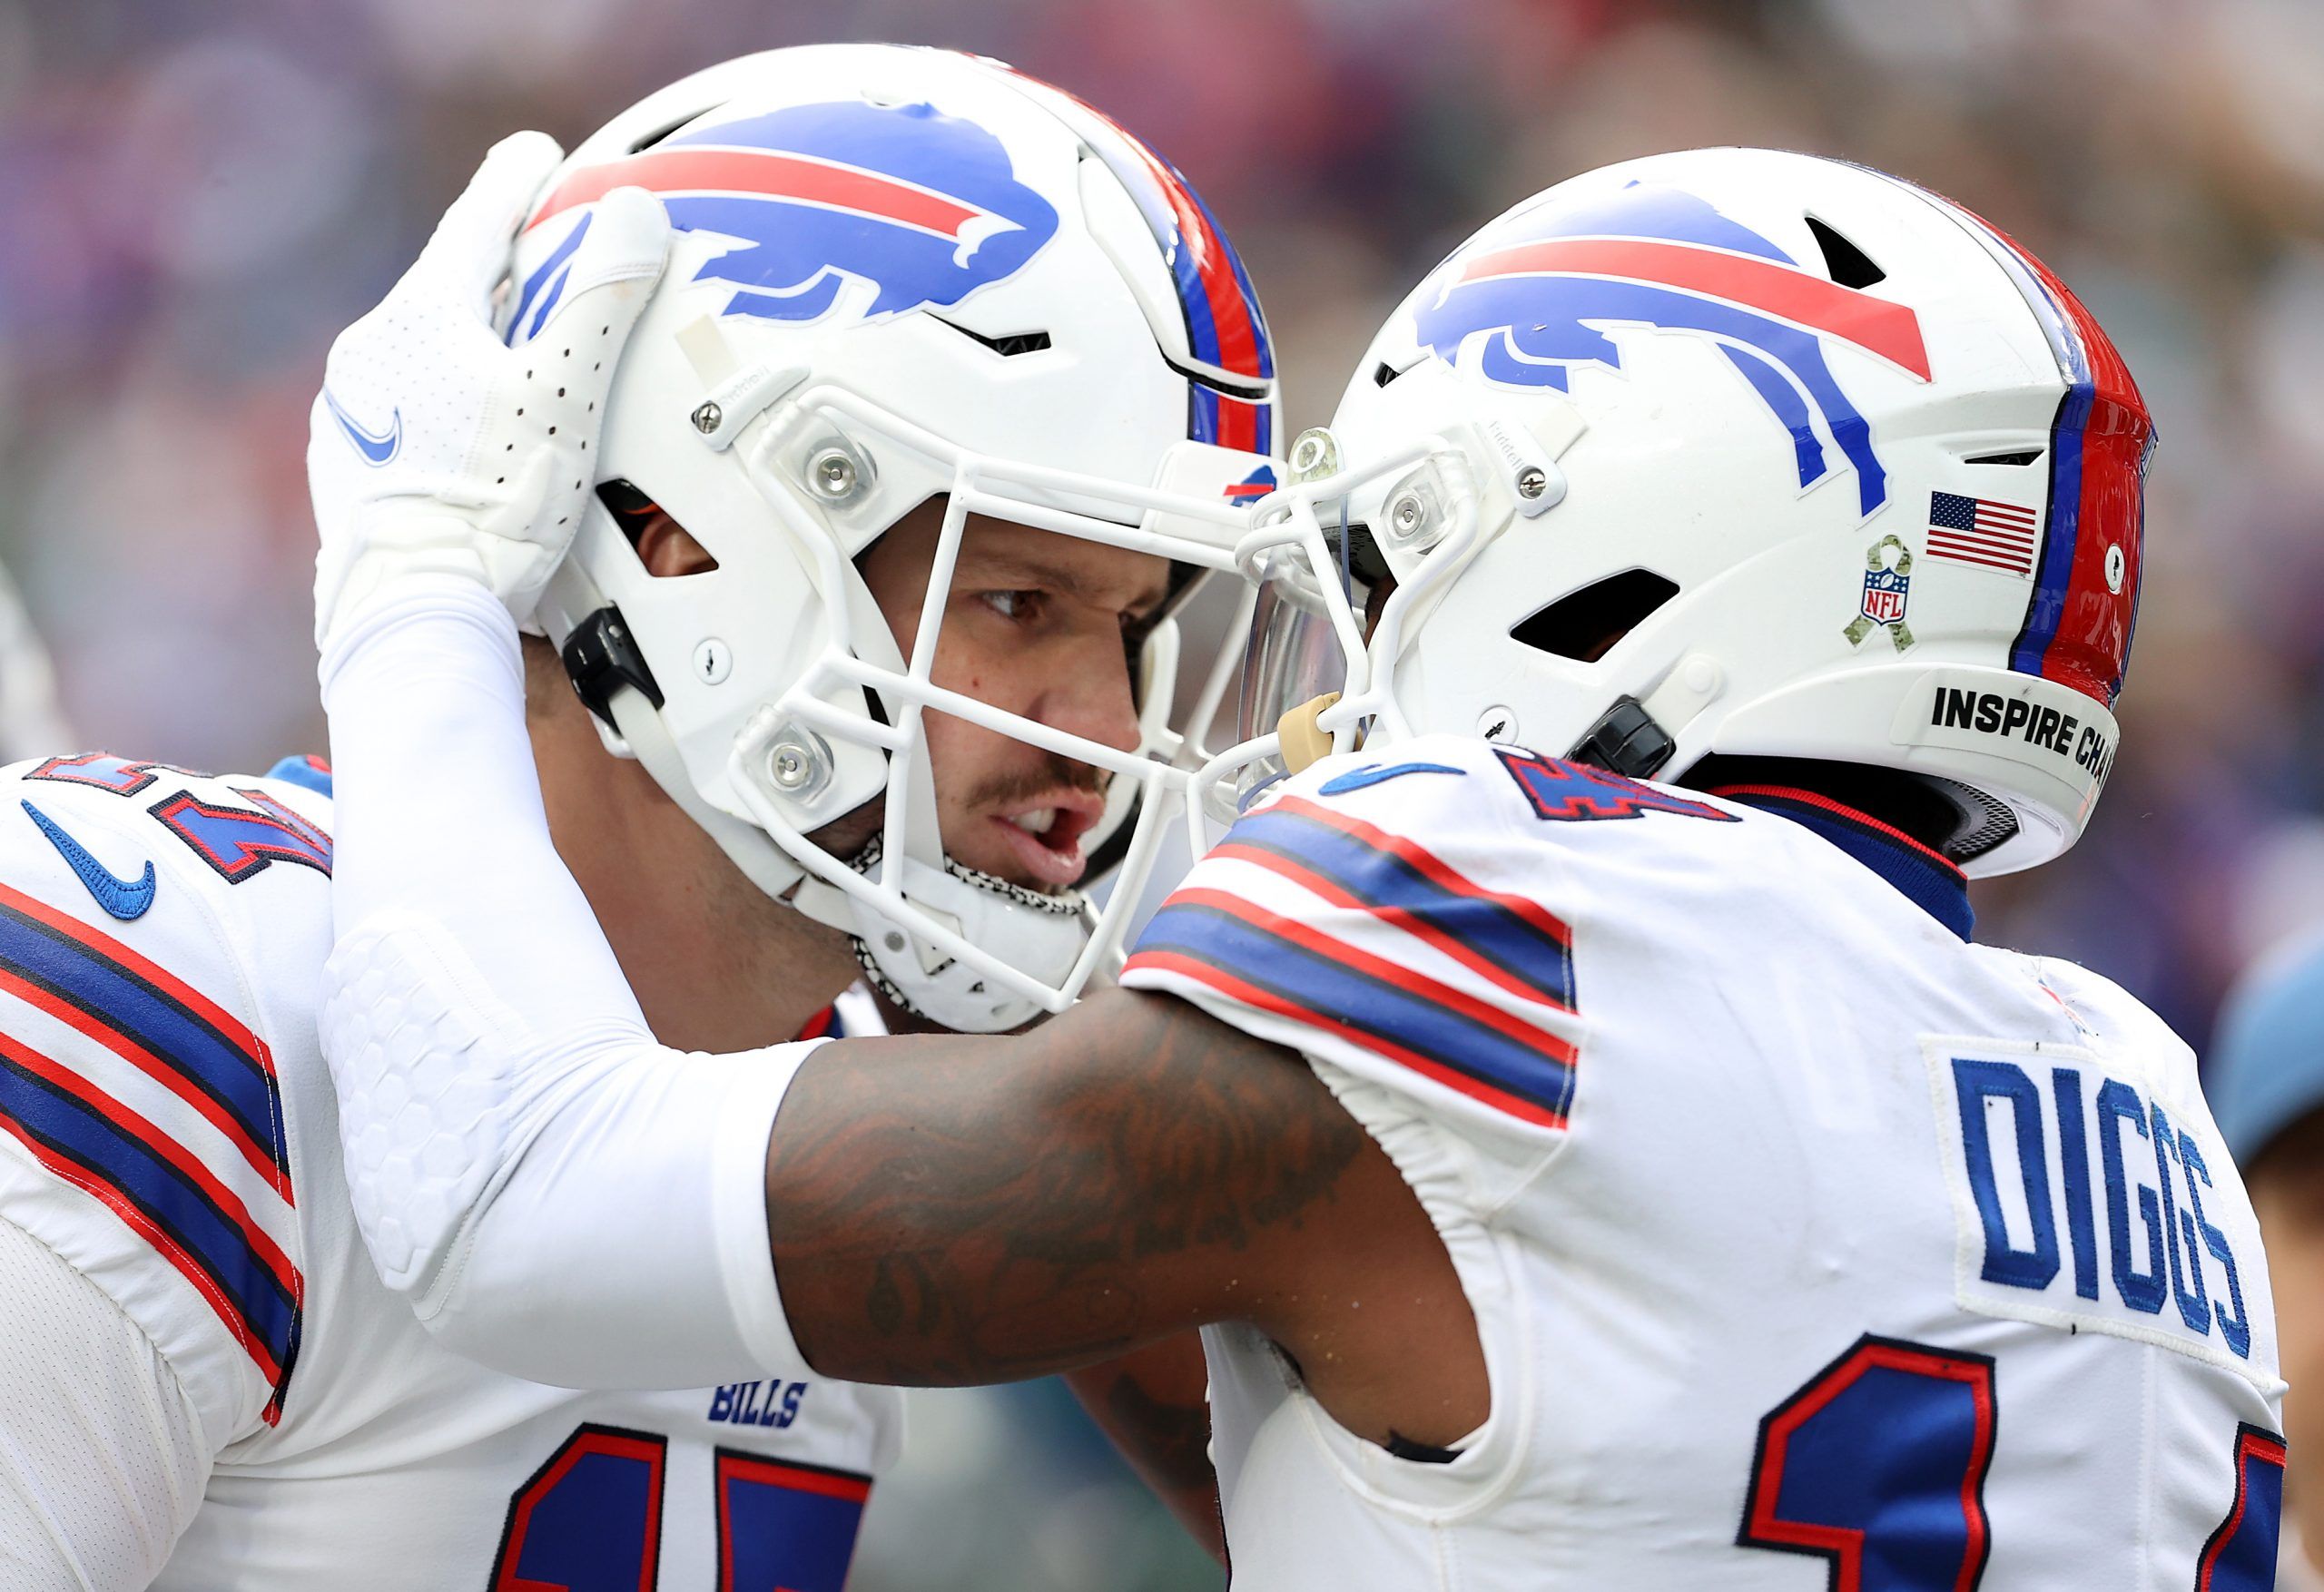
560 1197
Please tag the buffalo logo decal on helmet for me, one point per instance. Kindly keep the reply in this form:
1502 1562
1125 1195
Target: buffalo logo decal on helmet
1252 486
1525 307
923 208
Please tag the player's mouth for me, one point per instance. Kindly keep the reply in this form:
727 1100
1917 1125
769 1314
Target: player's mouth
1042 836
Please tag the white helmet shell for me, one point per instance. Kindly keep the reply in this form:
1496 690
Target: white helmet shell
1847 474
896 273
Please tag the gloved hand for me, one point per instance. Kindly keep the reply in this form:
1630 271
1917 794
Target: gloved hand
435 448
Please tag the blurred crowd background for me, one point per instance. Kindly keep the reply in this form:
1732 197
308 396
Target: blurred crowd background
196 194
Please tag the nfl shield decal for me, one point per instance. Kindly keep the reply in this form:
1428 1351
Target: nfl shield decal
1887 588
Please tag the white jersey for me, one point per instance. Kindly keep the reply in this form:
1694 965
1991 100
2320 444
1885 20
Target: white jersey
170 1170
1809 1245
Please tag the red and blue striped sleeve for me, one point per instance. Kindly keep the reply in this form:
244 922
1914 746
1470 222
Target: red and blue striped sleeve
150 1119
1339 936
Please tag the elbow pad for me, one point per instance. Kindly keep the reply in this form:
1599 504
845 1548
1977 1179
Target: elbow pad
585 1208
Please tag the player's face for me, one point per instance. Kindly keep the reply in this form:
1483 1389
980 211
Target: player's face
1041 626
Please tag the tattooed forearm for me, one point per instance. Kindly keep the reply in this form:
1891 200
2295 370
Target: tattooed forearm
1153 1402
955 1209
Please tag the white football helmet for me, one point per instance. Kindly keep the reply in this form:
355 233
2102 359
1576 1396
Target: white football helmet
1730 451
896 273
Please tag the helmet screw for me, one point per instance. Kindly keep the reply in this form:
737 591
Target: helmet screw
1497 723
1405 514
833 473
1532 482
789 765
2117 569
707 418
892 941
1313 454
712 662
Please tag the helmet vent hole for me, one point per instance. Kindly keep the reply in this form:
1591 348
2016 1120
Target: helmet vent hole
661 544
641 145
2024 458
1986 821
1384 373
1008 346
1585 624
1849 265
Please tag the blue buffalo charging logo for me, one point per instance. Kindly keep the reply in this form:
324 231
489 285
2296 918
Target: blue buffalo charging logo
919 208
1526 306
1252 486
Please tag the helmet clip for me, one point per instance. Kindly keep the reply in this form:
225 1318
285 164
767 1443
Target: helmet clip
601 657
1626 740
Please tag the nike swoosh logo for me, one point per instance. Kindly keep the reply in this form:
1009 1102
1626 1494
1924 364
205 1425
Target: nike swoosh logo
123 898
377 450
1373 774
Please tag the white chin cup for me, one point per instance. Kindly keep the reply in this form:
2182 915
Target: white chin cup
1045 936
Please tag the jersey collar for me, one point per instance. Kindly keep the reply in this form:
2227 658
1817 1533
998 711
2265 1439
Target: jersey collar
1927 879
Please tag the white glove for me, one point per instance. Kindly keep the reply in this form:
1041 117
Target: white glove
432 448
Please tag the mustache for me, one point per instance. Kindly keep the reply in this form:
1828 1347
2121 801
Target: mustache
1054 773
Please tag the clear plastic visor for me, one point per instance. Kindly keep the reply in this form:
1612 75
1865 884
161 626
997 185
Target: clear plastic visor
1296 651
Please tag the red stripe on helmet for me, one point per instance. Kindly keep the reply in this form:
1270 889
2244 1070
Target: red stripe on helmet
1238 425
776 174
1879 326
1230 314
2091 645
1238 338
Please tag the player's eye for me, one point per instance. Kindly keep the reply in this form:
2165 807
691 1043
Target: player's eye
1016 605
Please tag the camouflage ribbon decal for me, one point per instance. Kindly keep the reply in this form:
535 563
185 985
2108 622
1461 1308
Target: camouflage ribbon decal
1898 630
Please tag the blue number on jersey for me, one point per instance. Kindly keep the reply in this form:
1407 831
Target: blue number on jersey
786 1527
1570 792
1877 1465
107 772
2240 1557
589 1521
238 841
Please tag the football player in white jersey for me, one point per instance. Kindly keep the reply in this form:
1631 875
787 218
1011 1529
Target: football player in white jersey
203 1381
1569 1097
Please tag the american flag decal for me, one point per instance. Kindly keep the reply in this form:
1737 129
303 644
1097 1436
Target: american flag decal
1977 530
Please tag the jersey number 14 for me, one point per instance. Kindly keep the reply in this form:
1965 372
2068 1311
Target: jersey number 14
1877 1465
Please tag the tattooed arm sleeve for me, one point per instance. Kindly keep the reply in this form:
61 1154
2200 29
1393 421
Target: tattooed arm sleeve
1154 1403
961 1210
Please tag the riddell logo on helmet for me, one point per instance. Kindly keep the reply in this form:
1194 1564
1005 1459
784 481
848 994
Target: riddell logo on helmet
922 208
1989 713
